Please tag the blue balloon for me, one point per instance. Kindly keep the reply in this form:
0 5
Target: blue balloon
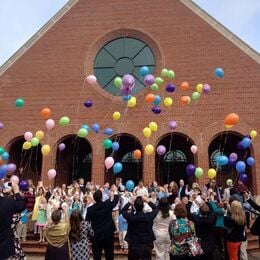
246 142
85 127
250 161
108 131
5 156
115 146
219 73
117 167
95 128
157 100
126 98
3 171
144 71
240 166
222 160
130 185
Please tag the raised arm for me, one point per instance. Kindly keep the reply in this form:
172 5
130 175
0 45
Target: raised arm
19 202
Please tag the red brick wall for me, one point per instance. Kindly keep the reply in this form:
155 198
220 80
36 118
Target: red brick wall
51 74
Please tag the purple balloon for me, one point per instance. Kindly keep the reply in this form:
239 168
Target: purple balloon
11 167
170 88
231 162
156 110
161 150
88 103
240 146
1 125
23 185
149 80
190 169
128 80
61 146
233 156
243 177
206 88
172 125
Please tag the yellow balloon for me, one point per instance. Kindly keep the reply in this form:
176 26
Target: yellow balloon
116 115
153 126
167 101
131 102
149 149
199 87
189 99
147 132
212 173
39 134
253 134
27 145
46 149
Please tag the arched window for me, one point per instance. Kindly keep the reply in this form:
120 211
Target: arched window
175 156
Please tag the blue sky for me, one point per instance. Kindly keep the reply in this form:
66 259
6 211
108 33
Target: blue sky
20 19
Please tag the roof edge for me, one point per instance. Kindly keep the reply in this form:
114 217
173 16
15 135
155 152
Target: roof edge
223 30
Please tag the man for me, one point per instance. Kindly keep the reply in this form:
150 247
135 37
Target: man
140 190
212 185
100 216
30 200
182 189
9 205
140 234
226 194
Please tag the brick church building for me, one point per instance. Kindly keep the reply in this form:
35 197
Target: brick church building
114 38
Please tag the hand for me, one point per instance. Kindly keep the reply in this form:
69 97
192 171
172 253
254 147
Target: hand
15 188
246 196
132 200
145 199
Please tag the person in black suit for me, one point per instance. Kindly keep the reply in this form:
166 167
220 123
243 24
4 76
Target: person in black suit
139 234
182 189
9 205
100 216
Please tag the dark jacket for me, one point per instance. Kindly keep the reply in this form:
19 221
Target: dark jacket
255 228
253 204
100 216
8 207
235 232
140 225
182 192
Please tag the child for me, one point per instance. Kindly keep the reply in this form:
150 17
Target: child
122 224
42 217
21 228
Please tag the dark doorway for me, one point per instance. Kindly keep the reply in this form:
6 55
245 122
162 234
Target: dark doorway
75 161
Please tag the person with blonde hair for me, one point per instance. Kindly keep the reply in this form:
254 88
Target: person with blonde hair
236 229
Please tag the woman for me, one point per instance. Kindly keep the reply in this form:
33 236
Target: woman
42 217
236 229
79 234
161 230
57 236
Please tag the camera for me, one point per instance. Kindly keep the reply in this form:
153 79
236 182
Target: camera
9 184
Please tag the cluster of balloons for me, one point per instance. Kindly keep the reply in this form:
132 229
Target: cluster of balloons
147 131
6 168
32 141
110 162
191 170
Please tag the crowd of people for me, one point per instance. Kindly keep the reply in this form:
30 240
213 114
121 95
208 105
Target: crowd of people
176 221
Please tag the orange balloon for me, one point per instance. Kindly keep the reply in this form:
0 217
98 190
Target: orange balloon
45 113
184 85
137 154
1 161
149 98
231 119
184 100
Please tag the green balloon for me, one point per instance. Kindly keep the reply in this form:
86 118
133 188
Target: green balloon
19 102
64 121
170 74
35 141
198 172
107 143
159 80
82 133
154 86
164 73
117 82
2 150
195 95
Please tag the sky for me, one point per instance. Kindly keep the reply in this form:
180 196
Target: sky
21 19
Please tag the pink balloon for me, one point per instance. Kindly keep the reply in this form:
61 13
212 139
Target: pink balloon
194 149
14 179
51 174
109 162
91 79
50 123
28 136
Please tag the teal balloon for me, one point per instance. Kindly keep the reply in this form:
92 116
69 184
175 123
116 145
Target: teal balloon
117 167
107 143
19 102
2 150
222 160
5 156
130 185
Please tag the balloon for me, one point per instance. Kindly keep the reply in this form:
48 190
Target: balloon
167 101
147 132
253 134
243 177
190 169
91 79
3 171
45 113
11 167
130 185
233 156
229 182
45 149
51 174
27 145
219 73
246 142
88 103
250 161
127 97
164 73
50 123
154 87
198 172
195 95
117 167
199 88
212 173
222 160
240 146
194 149
61 147
108 131
231 119
161 150
23 185
39 134
128 80
5 156
149 98
14 179
2 150
1 125
149 80
240 166
206 89
170 74
115 146
170 88
28 136
35 141
64 121
137 154
159 81
116 116
149 149
144 71
19 102
184 100
95 127
82 133
184 85
107 143
131 102
172 125
157 100
156 110
109 162
117 82
153 126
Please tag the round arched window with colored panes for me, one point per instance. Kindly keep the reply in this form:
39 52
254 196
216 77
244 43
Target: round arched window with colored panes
123 56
